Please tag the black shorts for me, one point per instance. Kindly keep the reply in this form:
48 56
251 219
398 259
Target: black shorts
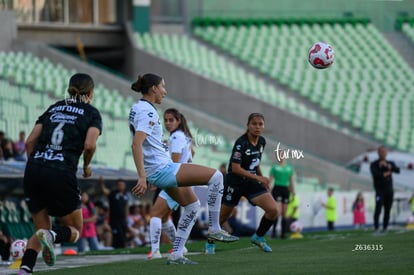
54 189
236 187
281 194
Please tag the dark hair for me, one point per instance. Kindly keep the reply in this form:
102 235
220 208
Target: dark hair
253 115
145 82
89 204
179 116
80 84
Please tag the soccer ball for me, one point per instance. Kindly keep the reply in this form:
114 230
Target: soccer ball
17 249
296 227
321 55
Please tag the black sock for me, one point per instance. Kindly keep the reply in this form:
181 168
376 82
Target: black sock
274 228
62 234
3 251
284 227
264 226
29 260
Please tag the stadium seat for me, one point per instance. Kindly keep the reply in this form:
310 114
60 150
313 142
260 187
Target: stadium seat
373 69
192 55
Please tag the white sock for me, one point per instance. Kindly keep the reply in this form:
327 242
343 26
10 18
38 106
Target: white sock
169 228
185 224
155 233
214 195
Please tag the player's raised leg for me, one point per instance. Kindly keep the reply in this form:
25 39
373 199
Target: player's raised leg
192 174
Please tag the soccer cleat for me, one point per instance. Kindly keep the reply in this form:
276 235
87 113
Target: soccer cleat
185 251
260 242
22 272
181 260
154 255
210 248
46 239
221 236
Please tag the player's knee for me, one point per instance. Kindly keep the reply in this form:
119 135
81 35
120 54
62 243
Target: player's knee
216 179
194 206
74 234
272 213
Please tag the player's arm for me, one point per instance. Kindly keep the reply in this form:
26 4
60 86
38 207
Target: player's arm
104 189
291 184
89 148
138 155
395 168
377 171
259 171
33 139
238 170
178 142
92 218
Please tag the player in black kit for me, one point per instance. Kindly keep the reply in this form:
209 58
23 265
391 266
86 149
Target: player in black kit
381 171
68 129
245 178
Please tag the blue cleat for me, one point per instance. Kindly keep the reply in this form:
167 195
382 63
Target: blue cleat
261 243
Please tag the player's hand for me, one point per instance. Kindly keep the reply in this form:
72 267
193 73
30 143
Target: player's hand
382 163
140 188
87 171
264 181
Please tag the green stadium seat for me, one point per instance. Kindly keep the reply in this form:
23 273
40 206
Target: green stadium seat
366 58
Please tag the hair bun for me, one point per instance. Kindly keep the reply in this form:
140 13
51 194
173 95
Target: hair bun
139 84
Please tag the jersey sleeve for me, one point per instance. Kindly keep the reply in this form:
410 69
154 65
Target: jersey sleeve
145 121
177 142
42 118
96 120
236 155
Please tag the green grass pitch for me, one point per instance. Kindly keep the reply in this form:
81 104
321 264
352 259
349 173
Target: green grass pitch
316 253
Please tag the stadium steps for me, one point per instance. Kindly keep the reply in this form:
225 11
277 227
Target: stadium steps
402 43
21 100
190 54
346 127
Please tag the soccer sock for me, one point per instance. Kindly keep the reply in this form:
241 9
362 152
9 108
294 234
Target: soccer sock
274 227
3 251
155 233
184 227
29 260
169 228
284 227
214 195
264 226
61 234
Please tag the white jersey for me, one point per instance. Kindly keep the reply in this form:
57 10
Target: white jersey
179 143
144 117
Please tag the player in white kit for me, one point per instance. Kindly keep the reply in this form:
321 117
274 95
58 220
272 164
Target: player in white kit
154 165
181 150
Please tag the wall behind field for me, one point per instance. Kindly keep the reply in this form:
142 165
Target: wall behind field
312 214
8 29
382 13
